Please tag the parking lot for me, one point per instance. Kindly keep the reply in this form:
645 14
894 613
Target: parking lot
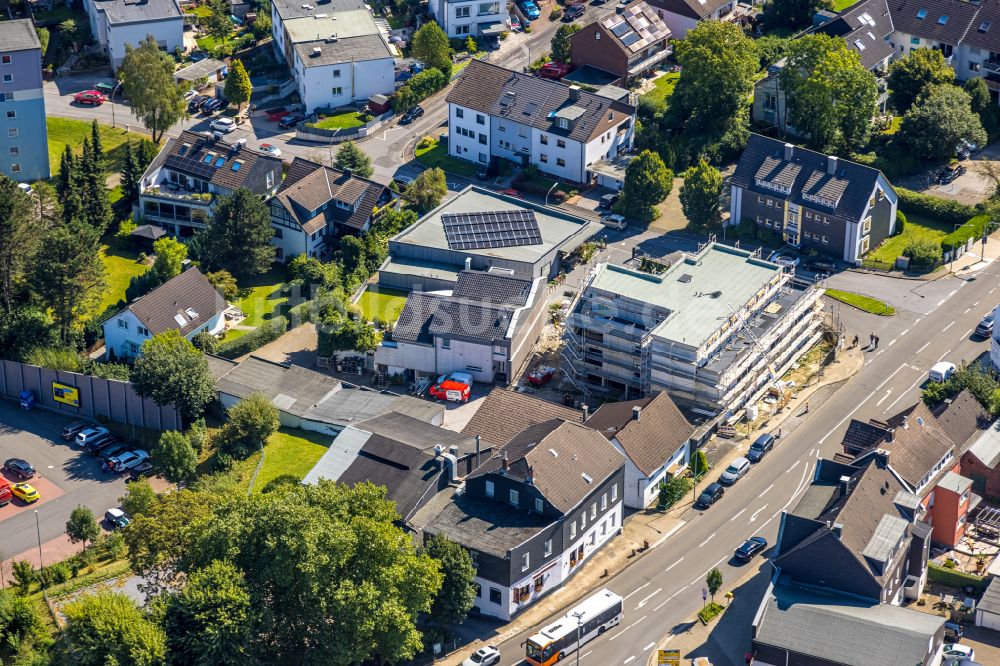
66 478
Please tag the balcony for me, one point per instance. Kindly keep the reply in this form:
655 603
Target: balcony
649 61
188 197
992 65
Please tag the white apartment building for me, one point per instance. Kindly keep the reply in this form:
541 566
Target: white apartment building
115 23
462 18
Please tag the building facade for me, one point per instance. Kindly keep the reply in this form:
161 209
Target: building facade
115 23
628 44
24 153
464 18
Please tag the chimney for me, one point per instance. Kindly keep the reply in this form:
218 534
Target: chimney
831 165
503 463
906 425
890 434
845 486
789 151
838 528
478 440
574 93
468 263
586 412
636 412
531 476
453 450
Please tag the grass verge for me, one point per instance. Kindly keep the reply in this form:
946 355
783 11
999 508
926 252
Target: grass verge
120 266
862 302
291 451
710 612
382 304
345 120
68 131
664 87
264 302
917 228
436 154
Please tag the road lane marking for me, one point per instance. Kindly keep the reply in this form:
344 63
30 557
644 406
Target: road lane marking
976 304
632 658
944 354
860 404
673 565
967 310
892 342
738 515
941 302
634 591
584 655
670 598
880 352
901 395
645 649
668 534
793 466
924 347
993 289
888 392
622 631
968 333
702 544
764 492
648 597
755 513
948 326
905 331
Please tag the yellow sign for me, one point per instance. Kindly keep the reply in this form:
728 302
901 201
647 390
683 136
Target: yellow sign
68 395
669 657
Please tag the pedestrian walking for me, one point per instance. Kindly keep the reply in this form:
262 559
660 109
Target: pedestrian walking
871 340
876 342
854 343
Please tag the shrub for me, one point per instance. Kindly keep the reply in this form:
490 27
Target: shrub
673 490
923 253
916 203
268 332
556 14
710 612
945 576
973 228
900 221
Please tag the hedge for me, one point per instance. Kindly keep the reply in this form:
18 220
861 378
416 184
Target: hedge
973 228
268 332
915 203
953 578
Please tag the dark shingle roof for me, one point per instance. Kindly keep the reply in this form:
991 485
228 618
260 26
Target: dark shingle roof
492 287
855 183
855 24
472 320
861 436
960 17
148 232
310 191
650 441
415 318
188 152
504 414
534 101
486 525
690 8
961 418
190 290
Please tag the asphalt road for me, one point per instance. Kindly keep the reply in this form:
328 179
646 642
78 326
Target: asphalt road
664 588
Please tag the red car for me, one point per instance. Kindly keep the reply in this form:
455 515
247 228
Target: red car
511 192
5 494
451 390
555 70
89 97
274 115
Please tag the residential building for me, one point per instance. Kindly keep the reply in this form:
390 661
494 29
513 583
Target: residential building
654 436
464 18
528 241
533 512
24 152
184 181
864 26
187 303
486 326
504 413
988 608
632 43
414 460
337 52
981 462
311 400
962 419
115 23
712 331
682 16
316 204
812 201
498 113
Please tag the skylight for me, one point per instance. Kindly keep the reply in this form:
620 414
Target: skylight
184 149
219 162
237 165
922 14
984 26
859 44
208 158
191 313
179 318
943 19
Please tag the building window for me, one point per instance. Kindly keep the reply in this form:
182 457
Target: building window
142 330
614 492
825 239
123 324
489 489
583 520
965 496
269 180
604 502
539 504
278 233
445 343
495 595
12 133
474 556
544 140
482 139
560 162
548 547
15 151
593 510
514 497
5 59
482 158
459 113
560 143
543 158
336 72
593 538
604 529
462 12
337 91
525 561
8 78
572 530
480 119
770 202
11 115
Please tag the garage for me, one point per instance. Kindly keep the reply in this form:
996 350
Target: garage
988 610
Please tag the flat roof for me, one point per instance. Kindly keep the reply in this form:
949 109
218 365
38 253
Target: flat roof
199 70
290 9
701 291
132 11
19 35
555 226
426 269
320 26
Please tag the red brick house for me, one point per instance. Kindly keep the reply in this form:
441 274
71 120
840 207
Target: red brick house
625 45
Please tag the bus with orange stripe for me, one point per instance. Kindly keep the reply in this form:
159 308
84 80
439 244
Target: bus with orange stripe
587 621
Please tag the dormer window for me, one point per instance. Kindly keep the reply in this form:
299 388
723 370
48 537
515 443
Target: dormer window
183 150
563 123
208 158
343 205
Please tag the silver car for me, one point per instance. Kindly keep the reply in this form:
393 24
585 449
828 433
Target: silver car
735 471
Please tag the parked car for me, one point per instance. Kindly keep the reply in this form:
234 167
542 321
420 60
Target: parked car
91 97
5 494
511 192
206 102
402 180
25 492
941 371
958 651
484 656
225 125
985 326
555 70
195 102
950 173
411 115
20 468
274 115
573 12
609 200
116 519
269 149
140 472
189 95
615 221
88 434
453 388
750 548
784 259
953 631
110 452
735 471
70 429
820 266
126 461
529 9
761 445
710 495
216 104
290 121
100 443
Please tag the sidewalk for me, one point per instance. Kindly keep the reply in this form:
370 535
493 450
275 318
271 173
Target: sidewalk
646 530
970 262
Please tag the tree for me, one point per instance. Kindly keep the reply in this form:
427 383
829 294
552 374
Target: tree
830 96
43 39
237 89
21 627
771 49
209 621
175 457
139 498
911 74
427 189
699 463
430 45
225 284
353 159
217 23
24 575
940 119
68 273
647 182
714 582
131 175
562 49
108 628
171 371
19 235
170 256
238 236
979 93
700 195
147 76
82 526
457 594
249 423
793 13
205 342
97 146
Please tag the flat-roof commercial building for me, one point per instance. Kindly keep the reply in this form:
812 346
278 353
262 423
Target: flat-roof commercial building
710 331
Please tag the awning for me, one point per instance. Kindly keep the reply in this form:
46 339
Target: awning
492 29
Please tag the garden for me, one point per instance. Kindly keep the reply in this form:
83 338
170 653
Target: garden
345 119
291 452
431 153
663 87
381 304
262 299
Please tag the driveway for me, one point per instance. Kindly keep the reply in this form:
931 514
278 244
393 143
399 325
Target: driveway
969 188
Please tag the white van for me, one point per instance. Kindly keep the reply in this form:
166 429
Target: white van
941 372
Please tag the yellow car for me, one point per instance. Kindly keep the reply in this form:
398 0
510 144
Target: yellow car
25 492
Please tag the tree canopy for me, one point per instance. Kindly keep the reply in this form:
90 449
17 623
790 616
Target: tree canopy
238 235
68 273
108 628
171 371
562 49
647 182
19 240
700 195
940 119
248 425
352 158
430 44
82 526
911 74
237 89
458 593
170 256
175 457
428 189
147 76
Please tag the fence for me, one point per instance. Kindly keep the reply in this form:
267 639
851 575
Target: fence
326 136
95 397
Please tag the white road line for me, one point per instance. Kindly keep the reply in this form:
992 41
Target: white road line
632 658
948 326
903 394
976 304
764 492
635 591
967 310
738 515
667 535
673 565
670 598
618 635
645 649
584 655
941 302
924 347
818 453
905 331
888 392
755 513
892 342
793 466
968 332
880 352
702 544
944 354
851 413
648 597
993 289
954 291
916 321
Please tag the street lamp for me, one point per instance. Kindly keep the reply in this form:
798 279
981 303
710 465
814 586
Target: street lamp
332 137
579 625
550 192
113 91
38 531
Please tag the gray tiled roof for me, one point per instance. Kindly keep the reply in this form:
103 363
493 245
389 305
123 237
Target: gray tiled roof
650 441
308 186
472 320
691 8
18 35
960 17
126 11
504 414
493 287
292 389
962 418
292 9
853 25
534 101
766 155
188 291
354 404
415 318
351 49
187 153
986 447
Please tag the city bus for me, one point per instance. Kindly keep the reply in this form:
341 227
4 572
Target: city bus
591 618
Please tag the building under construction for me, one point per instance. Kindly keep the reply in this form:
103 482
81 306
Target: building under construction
715 331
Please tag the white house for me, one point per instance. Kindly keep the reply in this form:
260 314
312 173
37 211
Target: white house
115 23
564 131
682 16
462 18
655 438
337 53
187 303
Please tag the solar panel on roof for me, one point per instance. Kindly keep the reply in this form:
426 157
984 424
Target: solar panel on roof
491 229
620 29
630 38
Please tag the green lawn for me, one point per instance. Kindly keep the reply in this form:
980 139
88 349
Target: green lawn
201 11
63 131
862 302
664 87
839 5
459 66
917 229
384 304
120 267
58 15
345 120
264 301
436 155
893 125
291 451
207 43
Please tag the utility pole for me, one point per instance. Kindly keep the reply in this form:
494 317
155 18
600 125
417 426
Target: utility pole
579 624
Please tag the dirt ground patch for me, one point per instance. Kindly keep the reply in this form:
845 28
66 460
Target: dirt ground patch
297 346
969 188
671 216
